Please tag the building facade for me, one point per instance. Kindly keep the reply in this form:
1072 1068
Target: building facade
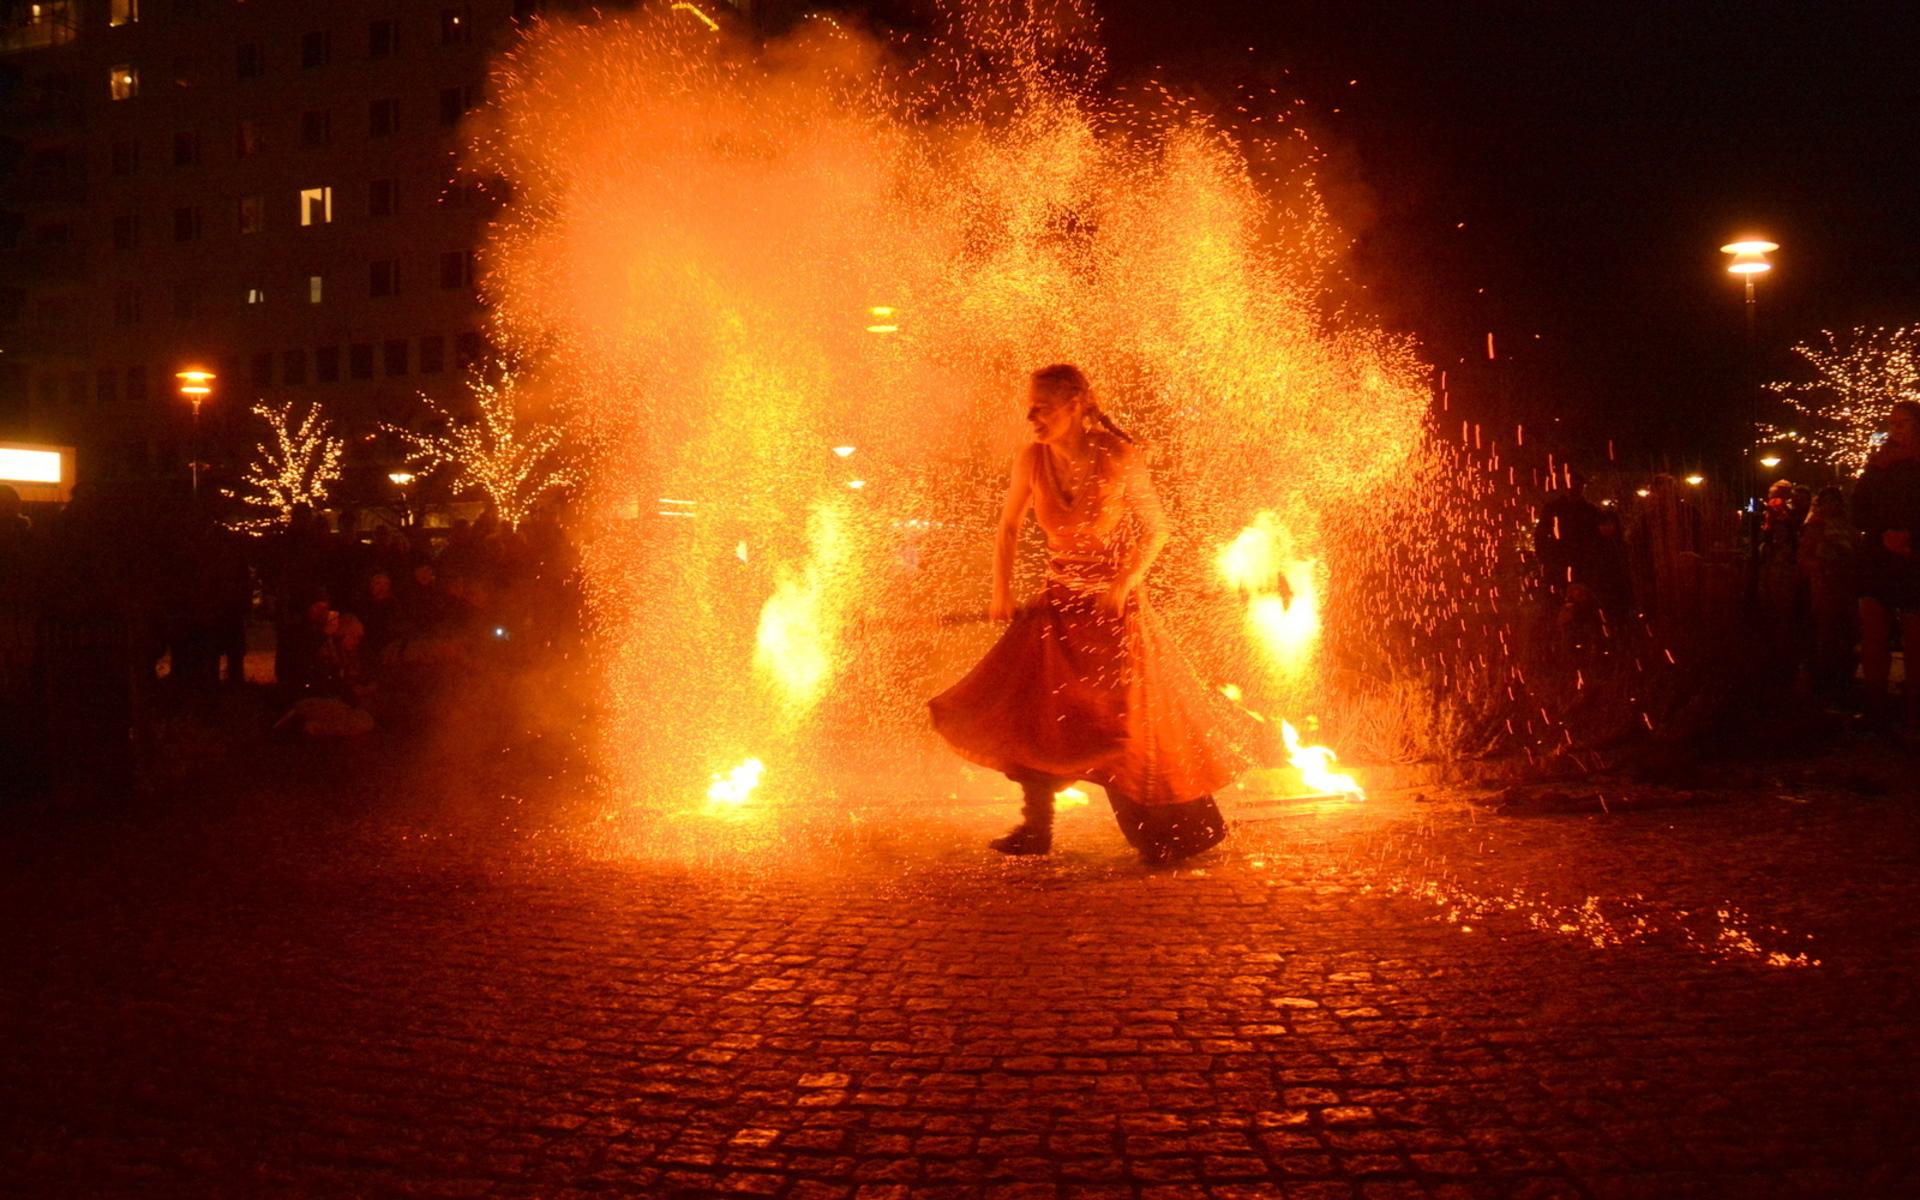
263 188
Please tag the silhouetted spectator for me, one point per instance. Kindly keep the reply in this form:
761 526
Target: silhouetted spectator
1567 537
1828 562
1886 503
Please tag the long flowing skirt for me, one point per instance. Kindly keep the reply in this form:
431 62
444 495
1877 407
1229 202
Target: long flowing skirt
1068 694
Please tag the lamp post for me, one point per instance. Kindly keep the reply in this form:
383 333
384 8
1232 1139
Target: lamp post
195 386
1749 261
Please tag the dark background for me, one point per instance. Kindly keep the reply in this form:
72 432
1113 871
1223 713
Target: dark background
1598 155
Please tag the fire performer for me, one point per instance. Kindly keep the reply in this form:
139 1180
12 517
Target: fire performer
1085 683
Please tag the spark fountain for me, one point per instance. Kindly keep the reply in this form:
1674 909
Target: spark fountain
795 288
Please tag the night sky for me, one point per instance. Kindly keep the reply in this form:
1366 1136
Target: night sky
1598 154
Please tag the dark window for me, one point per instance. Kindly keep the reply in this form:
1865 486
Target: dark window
126 157
246 60
360 360
326 364
394 356
55 233
76 387
186 224
526 10
136 384
433 354
293 366
126 231
316 127
186 301
454 103
253 214
383 38
246 138
383 279
383 117
48 387
262 372
456 269
126 306
186 148
316 49
106 386
456 26
467 349
383 198
186 8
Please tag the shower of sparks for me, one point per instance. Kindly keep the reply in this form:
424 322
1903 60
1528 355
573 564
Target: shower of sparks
499 452
1855 379
297 463
700 228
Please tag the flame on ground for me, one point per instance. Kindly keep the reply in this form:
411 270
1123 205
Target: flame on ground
733 789
1315 764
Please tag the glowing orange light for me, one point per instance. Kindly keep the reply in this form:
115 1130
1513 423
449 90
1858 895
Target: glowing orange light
706 20
734 788
1749 256
1696 480
1770 461
1315 764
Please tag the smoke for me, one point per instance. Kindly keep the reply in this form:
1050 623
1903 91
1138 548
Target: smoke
741 257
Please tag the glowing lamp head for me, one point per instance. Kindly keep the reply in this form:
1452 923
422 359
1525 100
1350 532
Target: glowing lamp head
1696 480
843 451
1770 461
1643 493
1749 256
400 478
195 384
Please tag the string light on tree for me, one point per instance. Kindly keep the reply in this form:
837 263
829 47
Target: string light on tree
508 460
297 463
1855 379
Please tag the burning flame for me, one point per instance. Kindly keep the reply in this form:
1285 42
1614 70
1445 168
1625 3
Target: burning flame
797 639
1071 797
1314 764
1283 599
732 789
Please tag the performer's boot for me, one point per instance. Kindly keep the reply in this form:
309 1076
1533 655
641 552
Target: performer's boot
1181 831
1034 834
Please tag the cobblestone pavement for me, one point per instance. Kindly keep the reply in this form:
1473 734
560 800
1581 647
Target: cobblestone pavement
353 984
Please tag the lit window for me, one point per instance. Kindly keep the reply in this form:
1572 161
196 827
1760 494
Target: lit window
454 26
316 206
124 81
316 288
122 12
256 296
253 214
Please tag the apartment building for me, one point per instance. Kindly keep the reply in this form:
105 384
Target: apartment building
265 188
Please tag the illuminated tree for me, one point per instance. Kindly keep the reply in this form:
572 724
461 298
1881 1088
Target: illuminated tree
297 463
1856 378
509 460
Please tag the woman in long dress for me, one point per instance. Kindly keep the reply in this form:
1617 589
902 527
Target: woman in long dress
1085 683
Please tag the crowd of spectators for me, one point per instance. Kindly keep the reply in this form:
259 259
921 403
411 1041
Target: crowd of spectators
109 610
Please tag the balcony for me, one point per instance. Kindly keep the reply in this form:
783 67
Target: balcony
48 23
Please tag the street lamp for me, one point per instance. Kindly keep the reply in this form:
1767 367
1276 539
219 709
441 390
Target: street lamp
402 480
195 385
1770 461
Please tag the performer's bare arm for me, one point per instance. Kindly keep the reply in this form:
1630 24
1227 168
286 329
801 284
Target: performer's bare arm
1144 503
1012 513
